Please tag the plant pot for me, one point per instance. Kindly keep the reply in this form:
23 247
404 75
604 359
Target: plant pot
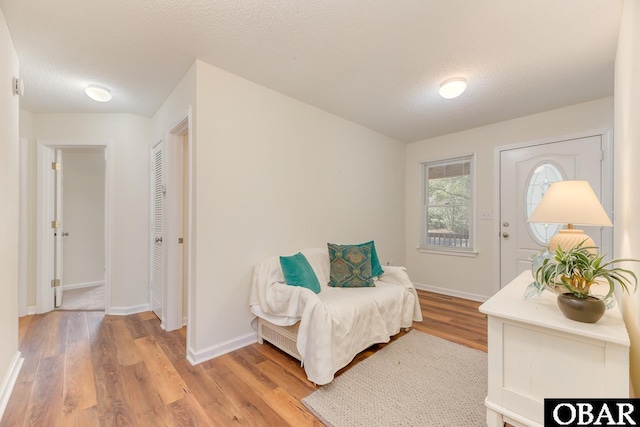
586 310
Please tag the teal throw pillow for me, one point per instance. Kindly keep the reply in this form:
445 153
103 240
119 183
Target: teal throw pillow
350 266
376 268
298 272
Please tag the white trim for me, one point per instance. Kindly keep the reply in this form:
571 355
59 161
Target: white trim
82 285
607 183
510 416
181 124
606 135
125 311
452 252
496 218
44 293
223 348
31 310
9 381
451 292
23 227
108 225
191 230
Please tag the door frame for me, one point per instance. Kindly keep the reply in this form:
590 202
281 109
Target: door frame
175 225
606 135
23 241
45 154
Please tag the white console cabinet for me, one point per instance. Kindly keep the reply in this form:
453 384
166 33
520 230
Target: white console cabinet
536 352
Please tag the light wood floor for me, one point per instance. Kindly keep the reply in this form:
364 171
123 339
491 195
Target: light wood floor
88 369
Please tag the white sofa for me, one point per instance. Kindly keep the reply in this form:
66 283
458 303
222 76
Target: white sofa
327 330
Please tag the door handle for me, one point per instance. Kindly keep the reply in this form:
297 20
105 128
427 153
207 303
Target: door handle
505 234
158 239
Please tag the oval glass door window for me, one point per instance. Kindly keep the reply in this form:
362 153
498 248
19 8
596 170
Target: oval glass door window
541 179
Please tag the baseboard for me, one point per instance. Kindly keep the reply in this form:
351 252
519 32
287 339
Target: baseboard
124 311
31 310
451 292
9 381
82 285
195 357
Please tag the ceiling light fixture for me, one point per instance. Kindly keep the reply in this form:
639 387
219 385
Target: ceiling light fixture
98 93
452 88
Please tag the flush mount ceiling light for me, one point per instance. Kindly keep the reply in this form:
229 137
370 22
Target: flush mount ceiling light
98 93
452 88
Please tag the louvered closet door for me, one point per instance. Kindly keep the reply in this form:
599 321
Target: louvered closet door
157 279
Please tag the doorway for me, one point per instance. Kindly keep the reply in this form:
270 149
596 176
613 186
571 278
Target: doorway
72 228
525 172
171 227
83 228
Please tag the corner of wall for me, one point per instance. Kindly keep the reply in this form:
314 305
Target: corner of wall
627 174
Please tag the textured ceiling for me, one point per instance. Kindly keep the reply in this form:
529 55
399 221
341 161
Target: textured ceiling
375 62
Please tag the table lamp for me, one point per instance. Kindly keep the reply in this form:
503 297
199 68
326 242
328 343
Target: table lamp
571 203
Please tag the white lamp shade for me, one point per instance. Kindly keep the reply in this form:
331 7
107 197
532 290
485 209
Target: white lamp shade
570 202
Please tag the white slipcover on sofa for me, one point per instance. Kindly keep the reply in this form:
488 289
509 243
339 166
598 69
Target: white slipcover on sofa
337 323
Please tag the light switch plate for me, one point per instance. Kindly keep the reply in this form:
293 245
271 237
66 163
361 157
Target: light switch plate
485 215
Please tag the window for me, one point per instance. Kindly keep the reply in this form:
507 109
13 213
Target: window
448 205
539 182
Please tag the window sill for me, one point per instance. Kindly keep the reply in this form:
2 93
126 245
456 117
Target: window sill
452 252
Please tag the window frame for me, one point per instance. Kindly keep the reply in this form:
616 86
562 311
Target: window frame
423 246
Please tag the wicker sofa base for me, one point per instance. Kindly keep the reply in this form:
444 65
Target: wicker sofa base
283 337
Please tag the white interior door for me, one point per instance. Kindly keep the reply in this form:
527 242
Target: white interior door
174 234
58 234
525 174
157 202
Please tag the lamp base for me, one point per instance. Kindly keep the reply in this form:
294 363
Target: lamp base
568 238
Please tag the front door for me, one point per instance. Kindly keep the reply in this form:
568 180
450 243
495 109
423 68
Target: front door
525 174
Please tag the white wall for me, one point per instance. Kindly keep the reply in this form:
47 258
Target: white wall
475 276
9 160
177 104
129 137
627 172
83 183
275 175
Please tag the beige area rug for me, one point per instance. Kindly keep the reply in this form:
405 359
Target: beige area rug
89 299
418 380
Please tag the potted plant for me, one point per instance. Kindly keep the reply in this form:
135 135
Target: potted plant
571 274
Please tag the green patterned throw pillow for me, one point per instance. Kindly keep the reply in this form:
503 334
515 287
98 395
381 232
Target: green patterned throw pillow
350 266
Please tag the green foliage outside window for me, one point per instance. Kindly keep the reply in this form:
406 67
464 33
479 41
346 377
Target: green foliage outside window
448 200
448 208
